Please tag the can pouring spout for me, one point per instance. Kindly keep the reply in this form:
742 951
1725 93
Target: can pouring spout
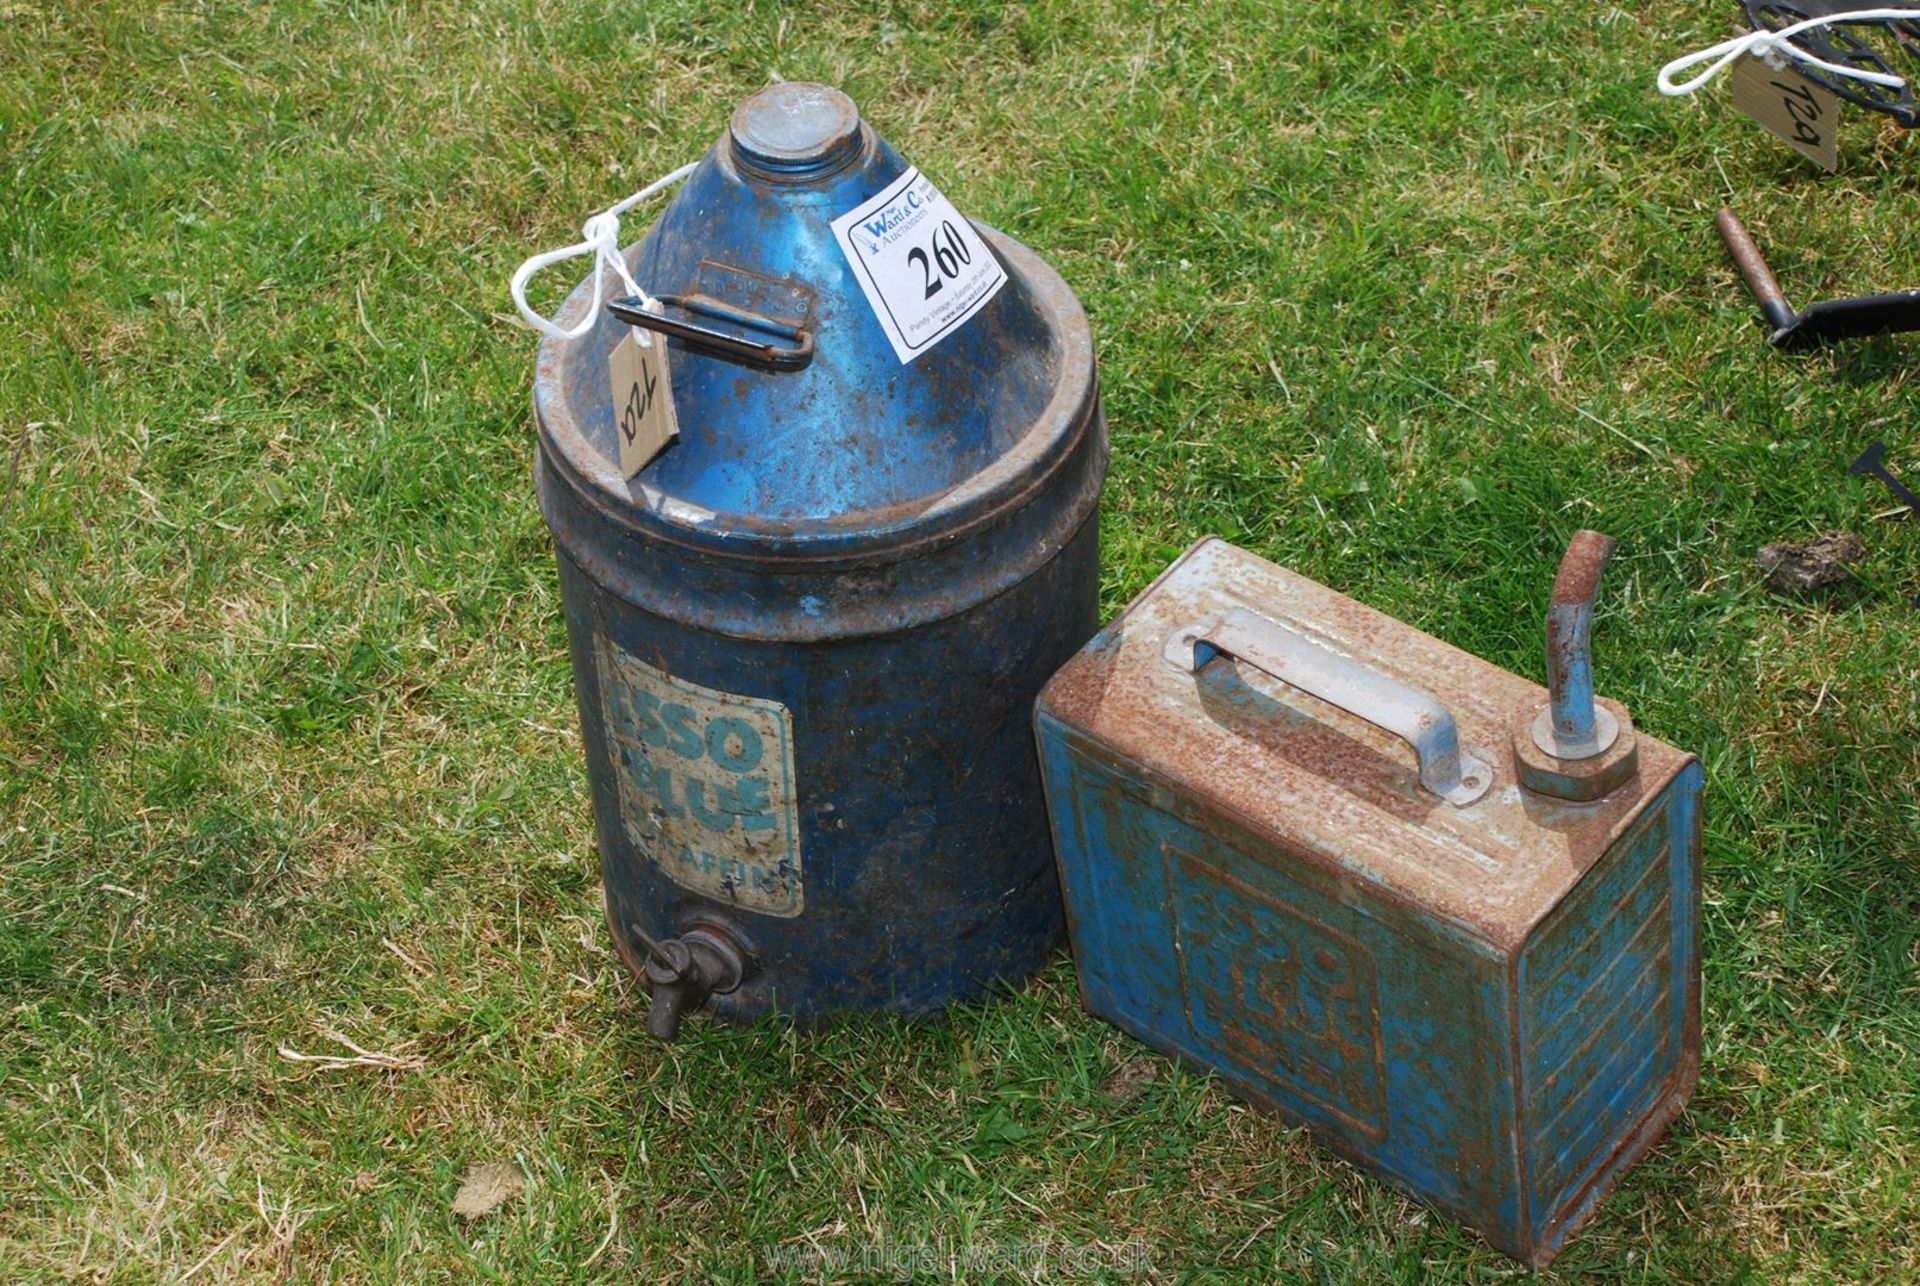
682 972
1572 747
1578 729
669 1006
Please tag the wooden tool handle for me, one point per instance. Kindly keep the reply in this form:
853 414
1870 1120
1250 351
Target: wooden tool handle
1753 267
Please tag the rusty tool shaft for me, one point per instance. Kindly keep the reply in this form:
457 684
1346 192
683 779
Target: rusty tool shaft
1753 267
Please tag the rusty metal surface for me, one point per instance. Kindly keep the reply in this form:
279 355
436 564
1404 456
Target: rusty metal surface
795 130
1578 581
1318 780
806 637
1576 780
746 577
1413 715
1494 1007
928 873
1609 1030
856 456
1574 729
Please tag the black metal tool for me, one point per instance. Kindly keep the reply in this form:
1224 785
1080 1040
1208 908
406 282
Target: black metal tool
796 353
1873 461
1834 319
1848 44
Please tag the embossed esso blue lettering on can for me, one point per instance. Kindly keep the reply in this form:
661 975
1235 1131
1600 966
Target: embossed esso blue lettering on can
1448 920
807 635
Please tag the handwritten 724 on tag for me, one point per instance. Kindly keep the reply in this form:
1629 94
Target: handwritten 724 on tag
1803 115
643 418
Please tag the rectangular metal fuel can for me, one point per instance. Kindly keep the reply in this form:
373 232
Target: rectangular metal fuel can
1318 852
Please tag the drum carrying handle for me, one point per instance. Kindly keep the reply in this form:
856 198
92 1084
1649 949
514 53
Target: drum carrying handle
791 356
1414 716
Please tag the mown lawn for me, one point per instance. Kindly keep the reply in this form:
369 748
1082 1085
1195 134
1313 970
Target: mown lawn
1396 296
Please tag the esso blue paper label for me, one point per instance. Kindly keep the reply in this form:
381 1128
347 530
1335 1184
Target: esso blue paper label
706 784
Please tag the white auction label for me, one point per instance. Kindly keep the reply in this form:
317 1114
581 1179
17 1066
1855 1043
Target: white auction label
923 267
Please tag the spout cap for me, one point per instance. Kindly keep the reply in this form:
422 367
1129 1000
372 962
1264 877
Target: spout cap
795 130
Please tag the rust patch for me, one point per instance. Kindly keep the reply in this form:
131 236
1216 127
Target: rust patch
1323 783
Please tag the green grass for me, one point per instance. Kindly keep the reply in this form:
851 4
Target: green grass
1398 298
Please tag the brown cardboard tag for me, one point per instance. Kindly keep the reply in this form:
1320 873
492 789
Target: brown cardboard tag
643 418
1803 115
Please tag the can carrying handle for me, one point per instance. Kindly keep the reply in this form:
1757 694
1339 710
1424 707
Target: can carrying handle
1415 716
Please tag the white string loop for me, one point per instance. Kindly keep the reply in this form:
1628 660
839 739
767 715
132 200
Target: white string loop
1772 46
599 237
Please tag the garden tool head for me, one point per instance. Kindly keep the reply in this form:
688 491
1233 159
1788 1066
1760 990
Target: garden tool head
1835 319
